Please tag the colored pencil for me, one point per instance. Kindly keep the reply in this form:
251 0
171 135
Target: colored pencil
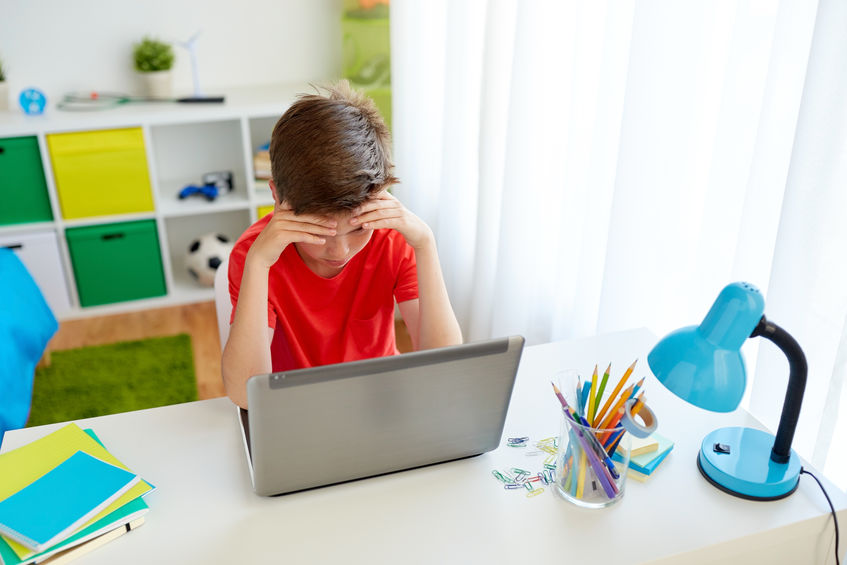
637 388
623 398
601 389
616 390
591 396
599 466
599 450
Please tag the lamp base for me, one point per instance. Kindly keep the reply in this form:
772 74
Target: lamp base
738 461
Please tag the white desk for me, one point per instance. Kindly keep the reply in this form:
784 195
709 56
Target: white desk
204 510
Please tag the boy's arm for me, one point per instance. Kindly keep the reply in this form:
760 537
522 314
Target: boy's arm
430 319
248 348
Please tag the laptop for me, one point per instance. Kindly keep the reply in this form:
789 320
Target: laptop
335 423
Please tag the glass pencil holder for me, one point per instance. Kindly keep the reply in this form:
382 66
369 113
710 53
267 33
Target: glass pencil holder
591 462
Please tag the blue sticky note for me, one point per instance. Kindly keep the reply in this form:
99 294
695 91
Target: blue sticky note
647 462
56 504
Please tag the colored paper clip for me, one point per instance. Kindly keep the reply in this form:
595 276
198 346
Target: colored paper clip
511 486
535 492
499 476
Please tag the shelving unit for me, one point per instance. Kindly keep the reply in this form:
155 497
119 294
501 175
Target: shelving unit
180 143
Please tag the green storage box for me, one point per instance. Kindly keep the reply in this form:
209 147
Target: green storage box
23 189
116 262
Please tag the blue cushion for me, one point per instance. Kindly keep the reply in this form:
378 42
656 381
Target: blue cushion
26 325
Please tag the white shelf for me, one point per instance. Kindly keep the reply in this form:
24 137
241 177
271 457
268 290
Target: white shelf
183 141
170 205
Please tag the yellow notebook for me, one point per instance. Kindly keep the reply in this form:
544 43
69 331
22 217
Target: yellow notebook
25 464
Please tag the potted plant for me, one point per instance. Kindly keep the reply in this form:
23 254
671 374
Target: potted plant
4 89
153 60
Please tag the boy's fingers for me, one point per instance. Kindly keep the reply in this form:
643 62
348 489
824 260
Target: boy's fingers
288 214
296 223
306 237
379 214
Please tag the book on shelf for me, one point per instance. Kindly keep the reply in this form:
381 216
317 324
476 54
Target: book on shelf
26 464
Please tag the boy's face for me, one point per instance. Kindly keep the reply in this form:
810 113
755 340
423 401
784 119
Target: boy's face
330 258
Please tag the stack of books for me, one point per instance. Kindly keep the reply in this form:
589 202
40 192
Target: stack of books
64 495
262 162
646 454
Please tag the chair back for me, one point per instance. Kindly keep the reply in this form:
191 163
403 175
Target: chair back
223 303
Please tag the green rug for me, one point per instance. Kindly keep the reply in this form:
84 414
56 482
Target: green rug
119 377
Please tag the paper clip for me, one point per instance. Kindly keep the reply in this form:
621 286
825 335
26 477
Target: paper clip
518 471
535 492
528 486
511 486
499 476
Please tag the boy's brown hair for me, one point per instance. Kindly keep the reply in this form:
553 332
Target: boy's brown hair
330 153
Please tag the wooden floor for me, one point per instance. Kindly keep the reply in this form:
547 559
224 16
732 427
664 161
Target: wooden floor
197 320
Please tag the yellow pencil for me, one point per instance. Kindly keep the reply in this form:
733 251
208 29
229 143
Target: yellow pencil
580 485
591 396
617 389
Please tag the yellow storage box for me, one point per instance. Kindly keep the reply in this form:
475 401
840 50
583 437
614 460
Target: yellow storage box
100 173
264 210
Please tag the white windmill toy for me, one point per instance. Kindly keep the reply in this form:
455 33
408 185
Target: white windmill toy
191 46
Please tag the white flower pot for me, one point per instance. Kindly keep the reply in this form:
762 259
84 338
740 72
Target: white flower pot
4 96
157 84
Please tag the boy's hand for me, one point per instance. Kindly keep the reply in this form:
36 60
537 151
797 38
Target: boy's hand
385 211
285 228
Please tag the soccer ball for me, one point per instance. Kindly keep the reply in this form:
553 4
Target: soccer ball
205 255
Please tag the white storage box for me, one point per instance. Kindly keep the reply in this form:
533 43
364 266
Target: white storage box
39 251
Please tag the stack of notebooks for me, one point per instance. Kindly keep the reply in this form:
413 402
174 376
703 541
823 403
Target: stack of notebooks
646 455
64 495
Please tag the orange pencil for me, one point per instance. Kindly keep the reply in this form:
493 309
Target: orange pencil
616 420
636 408
616 390
623 398
610 430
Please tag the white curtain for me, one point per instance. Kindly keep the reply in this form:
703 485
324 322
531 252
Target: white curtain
596 166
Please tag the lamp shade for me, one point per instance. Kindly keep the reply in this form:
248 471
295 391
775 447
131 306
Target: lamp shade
703 364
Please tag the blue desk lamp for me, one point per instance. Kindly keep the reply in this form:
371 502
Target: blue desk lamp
703 365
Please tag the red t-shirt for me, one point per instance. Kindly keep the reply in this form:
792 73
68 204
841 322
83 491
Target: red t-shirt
319 321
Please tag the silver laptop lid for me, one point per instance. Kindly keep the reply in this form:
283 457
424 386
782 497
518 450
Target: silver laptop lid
325 425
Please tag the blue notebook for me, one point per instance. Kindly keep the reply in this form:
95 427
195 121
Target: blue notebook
56 504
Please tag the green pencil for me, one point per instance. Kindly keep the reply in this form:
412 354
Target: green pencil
602 388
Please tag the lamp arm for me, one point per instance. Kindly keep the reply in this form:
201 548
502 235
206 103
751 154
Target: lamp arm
798 369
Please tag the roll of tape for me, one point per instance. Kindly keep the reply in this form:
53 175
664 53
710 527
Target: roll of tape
648 418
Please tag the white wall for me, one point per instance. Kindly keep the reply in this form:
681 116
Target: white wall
84 45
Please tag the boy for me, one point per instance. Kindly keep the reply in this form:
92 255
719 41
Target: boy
315 282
